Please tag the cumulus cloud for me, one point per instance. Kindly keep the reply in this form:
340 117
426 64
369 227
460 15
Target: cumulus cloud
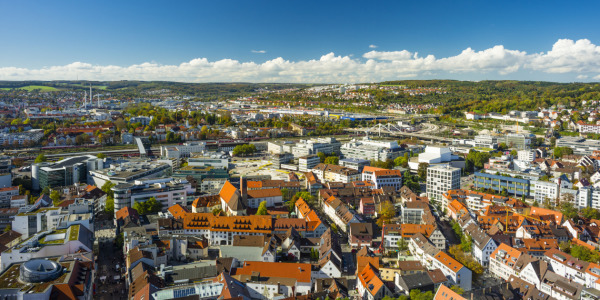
372 46
259 51
578 59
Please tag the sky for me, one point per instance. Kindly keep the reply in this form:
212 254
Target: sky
300 41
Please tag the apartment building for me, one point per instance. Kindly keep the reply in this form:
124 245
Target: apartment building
440 179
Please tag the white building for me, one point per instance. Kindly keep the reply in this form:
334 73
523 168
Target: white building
546 190
334 173
527 155
184 150
440 179
306 163
371 150
49 243
167 191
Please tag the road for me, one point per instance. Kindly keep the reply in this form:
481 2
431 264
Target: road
108 258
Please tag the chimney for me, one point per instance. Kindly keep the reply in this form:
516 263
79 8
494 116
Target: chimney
244 190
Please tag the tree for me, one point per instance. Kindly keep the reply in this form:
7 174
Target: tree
332 160
514 153
457 289
46 190
418 295
334 228
387 211
422 171
8 227
107 188
590 213
306 196
568 209
321 156
55 196
547 203
40 158
402 245
101 155
401 162
110 205
262 209
285 193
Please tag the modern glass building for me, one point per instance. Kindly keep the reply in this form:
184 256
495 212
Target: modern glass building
65 172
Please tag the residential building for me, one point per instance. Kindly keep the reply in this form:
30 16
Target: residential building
369 284
334 173
339 213
6 194
513 186
527 155
440 179
482 244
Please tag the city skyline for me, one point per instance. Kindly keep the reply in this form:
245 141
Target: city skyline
308 42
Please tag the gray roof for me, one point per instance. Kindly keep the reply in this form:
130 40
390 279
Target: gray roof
419 281
242 253
193 271
480 238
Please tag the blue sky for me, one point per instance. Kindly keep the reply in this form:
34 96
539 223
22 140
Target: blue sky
148 39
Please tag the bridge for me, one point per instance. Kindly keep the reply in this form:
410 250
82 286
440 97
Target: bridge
390 129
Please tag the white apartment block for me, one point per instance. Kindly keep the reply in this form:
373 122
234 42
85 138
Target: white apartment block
588 128
440 179
166 190
545 190
526 155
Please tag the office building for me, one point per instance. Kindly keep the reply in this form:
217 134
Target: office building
306 163
371 150
166 190
354 163
184 150
130 171
65 172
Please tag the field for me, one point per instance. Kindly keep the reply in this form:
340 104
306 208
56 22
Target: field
34 87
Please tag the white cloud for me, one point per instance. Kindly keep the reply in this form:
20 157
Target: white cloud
259 51
578 59
372 46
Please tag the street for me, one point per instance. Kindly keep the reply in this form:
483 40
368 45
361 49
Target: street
108 259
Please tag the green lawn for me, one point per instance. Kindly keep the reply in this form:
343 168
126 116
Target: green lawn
43 88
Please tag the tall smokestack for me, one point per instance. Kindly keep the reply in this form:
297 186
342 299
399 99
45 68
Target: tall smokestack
91 95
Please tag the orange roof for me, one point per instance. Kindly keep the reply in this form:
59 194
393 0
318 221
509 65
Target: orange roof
178 211
457 207
579 242
207 221
264 193
370 280
10 188
254 184
386 172
409 230
511 254
448 261
371 169
302 207
558 216
125 212
298 271
227 191
445 293
363 261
